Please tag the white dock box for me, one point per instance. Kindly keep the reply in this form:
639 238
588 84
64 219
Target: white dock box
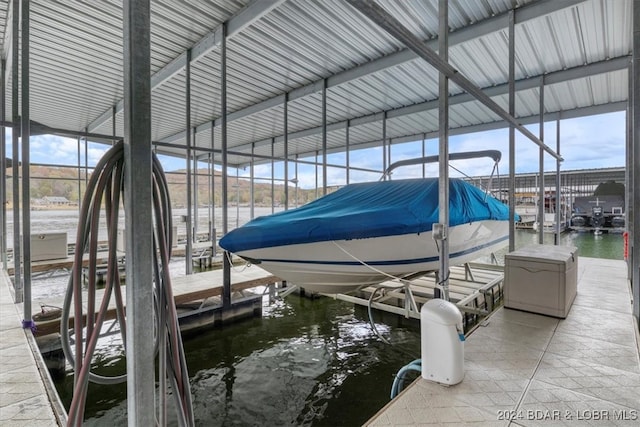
48 246
541 279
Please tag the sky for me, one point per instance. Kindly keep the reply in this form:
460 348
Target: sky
587 142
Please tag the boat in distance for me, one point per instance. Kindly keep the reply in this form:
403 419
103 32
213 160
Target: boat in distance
367 233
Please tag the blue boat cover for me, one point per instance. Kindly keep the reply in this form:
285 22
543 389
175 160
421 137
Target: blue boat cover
371 209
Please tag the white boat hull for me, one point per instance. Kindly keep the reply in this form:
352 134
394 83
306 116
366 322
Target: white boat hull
341 266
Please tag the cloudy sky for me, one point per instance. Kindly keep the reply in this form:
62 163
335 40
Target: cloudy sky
588 142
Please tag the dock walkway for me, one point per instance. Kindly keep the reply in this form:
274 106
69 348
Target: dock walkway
23 397
524 369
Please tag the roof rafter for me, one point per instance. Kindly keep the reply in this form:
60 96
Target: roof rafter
479 29
247 16
617 64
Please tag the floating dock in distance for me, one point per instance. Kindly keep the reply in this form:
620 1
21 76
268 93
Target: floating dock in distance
475 288
529 369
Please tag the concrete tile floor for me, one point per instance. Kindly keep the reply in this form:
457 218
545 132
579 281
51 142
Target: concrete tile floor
525 369
23 399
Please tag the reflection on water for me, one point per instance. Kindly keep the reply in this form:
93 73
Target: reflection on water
306 362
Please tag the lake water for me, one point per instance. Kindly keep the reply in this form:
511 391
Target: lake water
305 362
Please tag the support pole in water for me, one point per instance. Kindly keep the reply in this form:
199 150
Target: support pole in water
226 256
138 203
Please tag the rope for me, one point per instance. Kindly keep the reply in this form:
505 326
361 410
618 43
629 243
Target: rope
403 284
233 267
384 273
106 185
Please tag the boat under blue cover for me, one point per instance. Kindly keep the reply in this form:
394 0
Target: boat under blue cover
365 210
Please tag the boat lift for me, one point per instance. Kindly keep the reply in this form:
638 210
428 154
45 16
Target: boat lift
476 289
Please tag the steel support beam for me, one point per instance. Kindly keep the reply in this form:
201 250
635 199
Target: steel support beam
541 211
213 40
443 150
324 137
385 161
194 191
3 166
629 197
187 112
493 91
15 149
79 177
556 235
525 13
635 232
499 124
512 131
395 28
138 202
26 164
347 153
285 133
226 257
212 199
273 189
252 173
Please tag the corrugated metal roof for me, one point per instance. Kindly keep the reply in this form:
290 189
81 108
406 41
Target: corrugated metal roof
76 66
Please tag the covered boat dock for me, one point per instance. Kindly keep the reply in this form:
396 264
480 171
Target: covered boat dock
277 85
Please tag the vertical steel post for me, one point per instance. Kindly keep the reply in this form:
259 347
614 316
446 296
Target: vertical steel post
512 131
324 136
385 161
86 160
114 113
296 173
15 135
635 231
212 221
187 89
559 192
237 197
226 264
195 187
252 181
629 197
137 202
541 190
424 154
273 177
443 122
348 153
79 176
3 167
26 165
285 125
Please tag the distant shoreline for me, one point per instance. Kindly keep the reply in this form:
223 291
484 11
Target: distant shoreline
48 207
